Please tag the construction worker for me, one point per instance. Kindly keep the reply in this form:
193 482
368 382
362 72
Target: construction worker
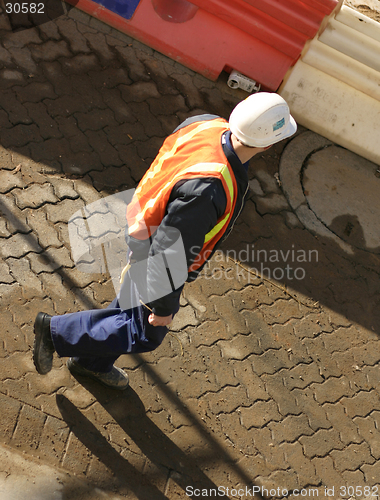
194 190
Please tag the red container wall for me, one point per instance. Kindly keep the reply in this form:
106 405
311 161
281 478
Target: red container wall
260 38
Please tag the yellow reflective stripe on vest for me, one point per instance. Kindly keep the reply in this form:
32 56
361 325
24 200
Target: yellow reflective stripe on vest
215 230
223 169
181 140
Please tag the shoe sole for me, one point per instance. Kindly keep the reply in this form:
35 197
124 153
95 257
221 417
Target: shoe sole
38 334
76 369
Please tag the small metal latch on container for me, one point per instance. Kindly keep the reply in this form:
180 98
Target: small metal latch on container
238 81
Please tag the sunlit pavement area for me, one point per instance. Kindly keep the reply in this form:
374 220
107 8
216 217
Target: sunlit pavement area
270 376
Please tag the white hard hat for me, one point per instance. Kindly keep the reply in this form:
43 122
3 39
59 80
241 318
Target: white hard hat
262 120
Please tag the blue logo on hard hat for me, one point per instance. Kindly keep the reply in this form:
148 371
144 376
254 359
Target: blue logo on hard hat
279 124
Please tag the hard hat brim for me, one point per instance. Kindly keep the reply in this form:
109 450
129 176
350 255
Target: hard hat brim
290 130
292 127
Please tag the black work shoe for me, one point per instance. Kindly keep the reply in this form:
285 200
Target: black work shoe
43 349
116 378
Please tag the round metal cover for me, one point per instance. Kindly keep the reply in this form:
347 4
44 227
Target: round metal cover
343 191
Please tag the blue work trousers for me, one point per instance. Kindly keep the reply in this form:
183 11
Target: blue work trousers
96 338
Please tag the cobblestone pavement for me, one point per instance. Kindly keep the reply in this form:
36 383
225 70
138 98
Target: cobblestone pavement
264 381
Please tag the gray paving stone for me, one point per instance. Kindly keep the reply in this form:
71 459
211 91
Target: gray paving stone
327 364
46 234
35 92
332 390
224 373
302 465
22 272
23 59
11 77
367 429
284 336
371 474
348 431
291 428
331 477
97 42
185 317
302 375
361 404
20 135
99 25
50 50
79 64
63 188
63 300
107 153
41 118
285 399
69 31
321 443
10 411
61 212
259 414
95 120
254 385
273 454
5 56
116 37
5 275
240 347
136 70
10 180
281 311
227 399
162 105
80 16
271 361
50 260
81 163
272 204
35 196
19 245
352 457
49 30
316 414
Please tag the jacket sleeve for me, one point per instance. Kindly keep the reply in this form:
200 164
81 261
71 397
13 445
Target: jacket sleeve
193 210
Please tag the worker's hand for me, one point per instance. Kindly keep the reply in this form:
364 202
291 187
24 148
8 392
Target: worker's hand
155 320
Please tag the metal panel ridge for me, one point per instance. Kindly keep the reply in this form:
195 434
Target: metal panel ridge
297 14
258 24
286 25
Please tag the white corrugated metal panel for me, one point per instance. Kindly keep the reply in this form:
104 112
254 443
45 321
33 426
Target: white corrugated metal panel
334 89
353 43
344 68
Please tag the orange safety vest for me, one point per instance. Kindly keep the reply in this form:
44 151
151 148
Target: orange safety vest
193 151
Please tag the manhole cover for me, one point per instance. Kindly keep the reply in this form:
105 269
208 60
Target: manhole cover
343 191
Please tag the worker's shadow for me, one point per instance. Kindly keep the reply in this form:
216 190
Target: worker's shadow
129 413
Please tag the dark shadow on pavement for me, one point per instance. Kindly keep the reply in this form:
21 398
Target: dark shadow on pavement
128 411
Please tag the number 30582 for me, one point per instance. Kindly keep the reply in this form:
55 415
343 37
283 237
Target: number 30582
24 8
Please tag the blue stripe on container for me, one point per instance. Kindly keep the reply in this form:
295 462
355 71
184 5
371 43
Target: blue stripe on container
124 8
